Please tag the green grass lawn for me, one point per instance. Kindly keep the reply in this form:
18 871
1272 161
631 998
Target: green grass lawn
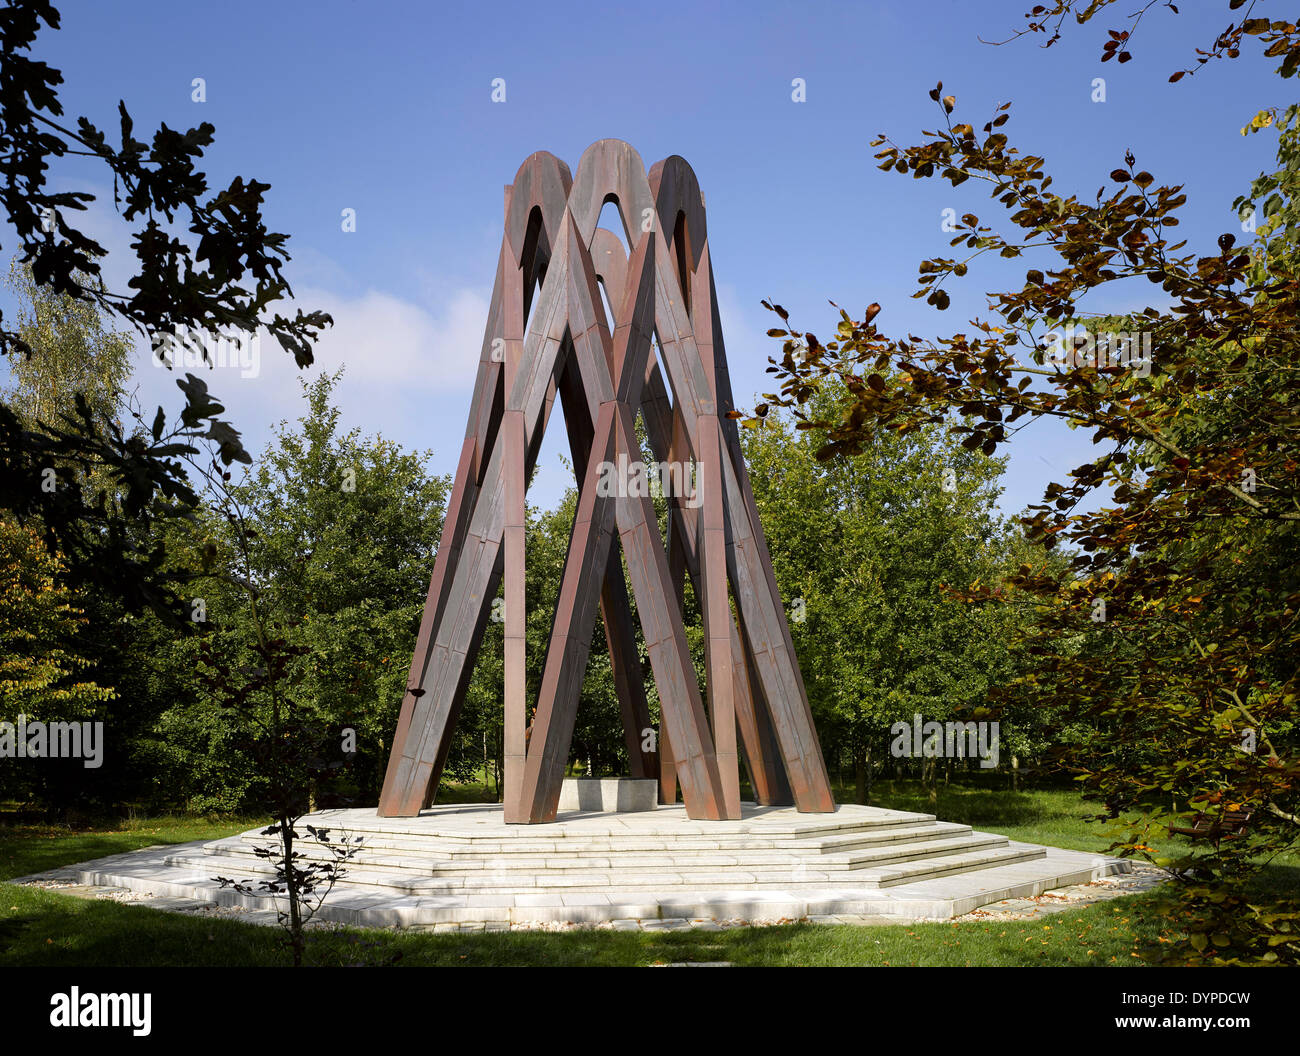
1055 817
1050 816
45 928
32 847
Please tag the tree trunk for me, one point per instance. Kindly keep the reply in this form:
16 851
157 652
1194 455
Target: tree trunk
296 938
499 765
1015 773
868 769
859 775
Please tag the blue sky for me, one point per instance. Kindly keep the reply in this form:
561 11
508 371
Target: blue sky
385 108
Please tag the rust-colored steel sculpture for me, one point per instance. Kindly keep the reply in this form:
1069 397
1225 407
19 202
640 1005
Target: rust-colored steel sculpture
662 354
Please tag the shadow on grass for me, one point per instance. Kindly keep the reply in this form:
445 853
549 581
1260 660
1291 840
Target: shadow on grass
978 806
22 856
33 848
52 930
1277 880
44 929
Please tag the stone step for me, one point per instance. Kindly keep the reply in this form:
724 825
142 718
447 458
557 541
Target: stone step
947 865
249 872
531 841
935 830
461 823
720 843
621 884
814 878
251 869
870 868
956 838
879 846
900 852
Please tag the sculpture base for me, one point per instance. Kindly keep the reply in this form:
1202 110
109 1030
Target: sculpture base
461 865
609 795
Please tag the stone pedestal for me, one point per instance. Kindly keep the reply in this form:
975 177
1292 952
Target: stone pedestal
461 864
609 795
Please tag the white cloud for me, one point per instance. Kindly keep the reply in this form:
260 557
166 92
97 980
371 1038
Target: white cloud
410 362
386 341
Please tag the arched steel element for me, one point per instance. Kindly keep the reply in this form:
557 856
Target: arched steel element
661 355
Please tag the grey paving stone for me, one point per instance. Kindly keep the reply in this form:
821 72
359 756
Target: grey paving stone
667 924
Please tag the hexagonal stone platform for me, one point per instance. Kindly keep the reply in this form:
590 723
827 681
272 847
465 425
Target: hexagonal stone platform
462 863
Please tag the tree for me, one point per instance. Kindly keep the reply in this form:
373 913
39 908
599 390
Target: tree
341 534
256 682
598 729
222 272
864 552
1189 675
294 555
43 670
73 351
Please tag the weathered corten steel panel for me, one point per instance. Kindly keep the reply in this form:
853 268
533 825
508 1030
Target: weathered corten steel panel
662 356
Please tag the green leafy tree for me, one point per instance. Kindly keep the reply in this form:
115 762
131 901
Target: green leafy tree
76 354
74 350
342 532
205 262
1190 554
598 730
865 552
44 672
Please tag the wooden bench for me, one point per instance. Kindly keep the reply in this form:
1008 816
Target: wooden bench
1226 826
